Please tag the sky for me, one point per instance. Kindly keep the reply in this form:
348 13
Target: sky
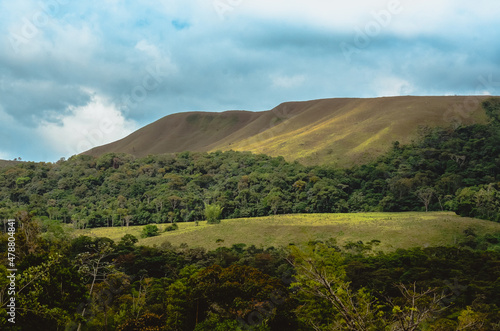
74 75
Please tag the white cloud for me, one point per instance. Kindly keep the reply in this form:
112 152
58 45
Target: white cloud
4 156
149 49
94 124
283 81
392 86
405 17
260 53
344 16
160 61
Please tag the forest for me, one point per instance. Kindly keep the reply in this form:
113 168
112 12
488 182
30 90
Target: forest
67 282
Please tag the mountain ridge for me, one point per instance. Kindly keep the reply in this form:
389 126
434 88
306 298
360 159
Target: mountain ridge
342 131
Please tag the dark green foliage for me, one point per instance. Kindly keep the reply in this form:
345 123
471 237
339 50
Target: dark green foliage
128 240
148 321
150 230
182 288
479 201
492 108
172 227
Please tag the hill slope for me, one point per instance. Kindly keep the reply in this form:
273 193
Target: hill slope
342 131
8 163
394 230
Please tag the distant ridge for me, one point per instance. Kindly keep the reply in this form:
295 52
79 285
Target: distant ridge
343 131
8 163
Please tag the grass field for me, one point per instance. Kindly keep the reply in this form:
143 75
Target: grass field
394 230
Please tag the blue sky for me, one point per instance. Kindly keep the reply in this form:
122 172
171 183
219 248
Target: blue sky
74 75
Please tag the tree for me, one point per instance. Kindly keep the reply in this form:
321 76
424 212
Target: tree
425 195
237 293
128 219
331 303
470 320
321 280
492 108
213 213
299 185
416 307
465 201
47 294
103 301
128 241
93 264
274 200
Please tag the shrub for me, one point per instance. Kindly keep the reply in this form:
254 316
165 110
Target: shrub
172 227
149 230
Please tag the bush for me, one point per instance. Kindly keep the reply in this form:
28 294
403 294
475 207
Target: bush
150 230
172 227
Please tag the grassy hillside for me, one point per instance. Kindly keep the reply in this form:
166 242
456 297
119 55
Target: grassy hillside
394 230
343 131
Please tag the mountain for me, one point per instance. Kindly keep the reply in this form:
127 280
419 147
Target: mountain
342 131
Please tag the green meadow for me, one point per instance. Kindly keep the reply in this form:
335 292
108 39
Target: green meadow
393 230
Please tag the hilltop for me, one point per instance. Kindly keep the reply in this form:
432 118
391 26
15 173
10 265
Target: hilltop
342 131
8 163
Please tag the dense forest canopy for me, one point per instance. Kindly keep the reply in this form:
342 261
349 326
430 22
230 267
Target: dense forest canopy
71 283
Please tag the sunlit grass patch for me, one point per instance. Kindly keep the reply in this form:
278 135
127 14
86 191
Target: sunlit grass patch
394 230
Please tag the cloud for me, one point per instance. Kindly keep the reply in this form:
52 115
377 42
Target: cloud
85 127
392 86
4 156
174 56
149 49
288 81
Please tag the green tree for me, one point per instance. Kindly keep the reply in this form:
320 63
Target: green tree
274 200
213 213
331 303
492 108
48 294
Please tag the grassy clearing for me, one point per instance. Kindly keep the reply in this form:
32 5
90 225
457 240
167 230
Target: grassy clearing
394 230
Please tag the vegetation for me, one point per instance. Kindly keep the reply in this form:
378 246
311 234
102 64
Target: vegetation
446 169
374 269
97 283
150 230
213 213
393 230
